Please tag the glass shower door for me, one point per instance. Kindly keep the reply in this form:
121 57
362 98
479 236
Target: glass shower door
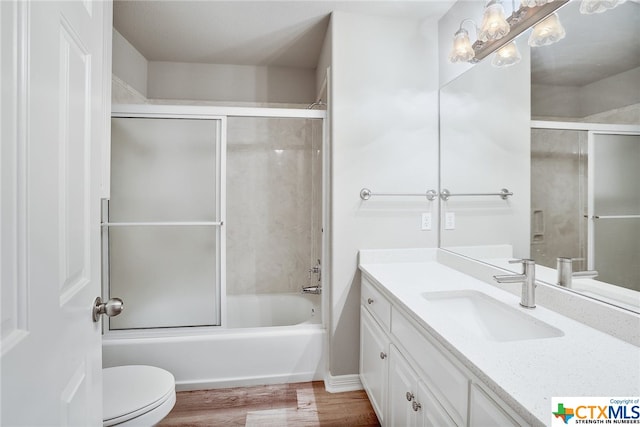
163 229
615 211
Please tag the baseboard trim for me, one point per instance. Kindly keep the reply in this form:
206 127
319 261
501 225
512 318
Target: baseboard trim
342 383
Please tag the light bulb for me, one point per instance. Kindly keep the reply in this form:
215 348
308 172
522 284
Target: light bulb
588 7
534 3
494 25
547 31
462 50
507 55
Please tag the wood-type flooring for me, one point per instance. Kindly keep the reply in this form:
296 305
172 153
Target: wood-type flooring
300 405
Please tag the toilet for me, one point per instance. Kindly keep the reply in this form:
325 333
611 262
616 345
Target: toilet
136 395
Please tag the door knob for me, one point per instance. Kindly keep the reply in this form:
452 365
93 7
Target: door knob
111 308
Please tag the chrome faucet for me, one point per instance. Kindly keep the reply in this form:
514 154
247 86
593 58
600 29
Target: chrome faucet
317 288
527 278
566 273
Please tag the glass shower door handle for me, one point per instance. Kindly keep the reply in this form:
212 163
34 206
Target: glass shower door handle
111 308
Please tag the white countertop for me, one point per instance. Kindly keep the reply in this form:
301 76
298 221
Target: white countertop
526 374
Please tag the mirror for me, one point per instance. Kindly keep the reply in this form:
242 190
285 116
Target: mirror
561 130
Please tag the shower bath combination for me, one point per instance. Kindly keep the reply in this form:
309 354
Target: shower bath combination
213 213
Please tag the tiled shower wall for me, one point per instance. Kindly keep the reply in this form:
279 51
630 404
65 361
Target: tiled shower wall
558 196
274 203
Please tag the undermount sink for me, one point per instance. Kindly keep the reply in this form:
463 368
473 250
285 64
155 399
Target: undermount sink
488 318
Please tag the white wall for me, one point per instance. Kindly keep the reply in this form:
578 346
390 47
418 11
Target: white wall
485 146
612 92
324 61
128 64
384 111
485 140
230 83
620 90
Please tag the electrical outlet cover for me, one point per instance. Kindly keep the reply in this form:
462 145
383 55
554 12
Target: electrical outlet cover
450 221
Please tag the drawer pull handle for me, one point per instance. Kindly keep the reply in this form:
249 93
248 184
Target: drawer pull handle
370 301
383 355
416 406
410 396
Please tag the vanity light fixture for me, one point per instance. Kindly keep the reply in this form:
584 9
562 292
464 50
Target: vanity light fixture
519 21
494 25
462 50
547 31
588 7
507 55
534 3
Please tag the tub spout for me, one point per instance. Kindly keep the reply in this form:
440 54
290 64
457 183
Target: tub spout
314 290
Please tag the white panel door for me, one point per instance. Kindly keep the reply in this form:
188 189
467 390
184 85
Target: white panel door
53 128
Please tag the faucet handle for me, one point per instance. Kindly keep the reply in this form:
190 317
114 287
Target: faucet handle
528 266
587 274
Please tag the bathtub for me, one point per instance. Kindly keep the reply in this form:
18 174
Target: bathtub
260 310
268 339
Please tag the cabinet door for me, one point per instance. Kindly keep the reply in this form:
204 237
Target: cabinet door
402 390
430 413
374 347
487 413
444 378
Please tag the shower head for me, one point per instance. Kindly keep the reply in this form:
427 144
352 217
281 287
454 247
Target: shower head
318 103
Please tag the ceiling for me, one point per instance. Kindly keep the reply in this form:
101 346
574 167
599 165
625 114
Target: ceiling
276 33
596 46
290 33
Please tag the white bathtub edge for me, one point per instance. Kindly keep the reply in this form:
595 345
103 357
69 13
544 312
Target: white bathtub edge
248 381
242 358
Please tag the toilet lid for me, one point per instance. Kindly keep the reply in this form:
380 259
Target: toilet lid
129 391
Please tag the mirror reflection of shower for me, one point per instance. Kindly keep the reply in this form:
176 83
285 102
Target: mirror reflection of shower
595 222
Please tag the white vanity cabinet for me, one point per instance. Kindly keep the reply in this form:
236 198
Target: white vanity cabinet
375 318
411 379
374 351
411 403
403 390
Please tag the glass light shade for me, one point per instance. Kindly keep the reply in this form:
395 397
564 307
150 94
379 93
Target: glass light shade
494 24
547 31
462 50
507 55
588 7
534 3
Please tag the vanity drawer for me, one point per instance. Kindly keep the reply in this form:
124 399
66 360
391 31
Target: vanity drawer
377 304
448 383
